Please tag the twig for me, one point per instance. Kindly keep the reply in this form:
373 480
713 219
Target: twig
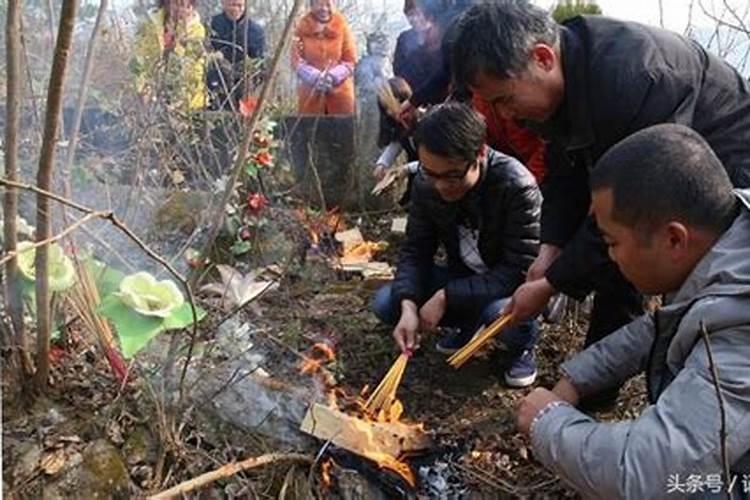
82 90
229 470
722 410
101 214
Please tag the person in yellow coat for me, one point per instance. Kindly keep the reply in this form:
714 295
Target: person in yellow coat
323 57
169 56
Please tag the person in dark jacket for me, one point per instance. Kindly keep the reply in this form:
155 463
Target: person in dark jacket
239 40
586 85
418 48
483 207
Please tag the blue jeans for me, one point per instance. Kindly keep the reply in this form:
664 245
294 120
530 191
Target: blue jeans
518 339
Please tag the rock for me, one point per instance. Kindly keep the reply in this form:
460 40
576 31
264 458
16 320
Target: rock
29 456
139 447
257 402
103 472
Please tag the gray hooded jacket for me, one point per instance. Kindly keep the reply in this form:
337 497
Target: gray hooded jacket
673 449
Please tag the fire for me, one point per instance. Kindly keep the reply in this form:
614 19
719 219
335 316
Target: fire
387 462
366 422
362 252
325 472
320 354
325 224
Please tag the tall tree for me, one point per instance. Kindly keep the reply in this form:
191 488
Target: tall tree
14 302
44 181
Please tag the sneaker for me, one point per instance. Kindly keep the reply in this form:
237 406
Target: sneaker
522 370
453 340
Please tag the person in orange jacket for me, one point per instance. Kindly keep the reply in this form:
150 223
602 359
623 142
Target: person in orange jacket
323 57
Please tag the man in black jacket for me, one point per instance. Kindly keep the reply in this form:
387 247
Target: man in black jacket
238 39
483 207
586 85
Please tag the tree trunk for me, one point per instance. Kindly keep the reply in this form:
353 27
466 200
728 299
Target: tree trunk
13 298
44 181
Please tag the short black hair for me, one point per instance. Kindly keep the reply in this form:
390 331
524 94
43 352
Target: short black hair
452 130
662 173
495 38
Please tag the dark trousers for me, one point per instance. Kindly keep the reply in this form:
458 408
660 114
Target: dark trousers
518 339
616 303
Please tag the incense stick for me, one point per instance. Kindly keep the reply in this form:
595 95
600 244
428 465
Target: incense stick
388 100
384 395
479 340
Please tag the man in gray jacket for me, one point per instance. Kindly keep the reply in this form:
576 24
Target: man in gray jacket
674 226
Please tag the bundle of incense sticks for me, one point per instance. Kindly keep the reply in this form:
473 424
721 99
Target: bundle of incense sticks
388 100
478 341
384 395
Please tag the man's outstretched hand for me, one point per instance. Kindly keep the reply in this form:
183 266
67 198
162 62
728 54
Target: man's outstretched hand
529 300
547 255
405 332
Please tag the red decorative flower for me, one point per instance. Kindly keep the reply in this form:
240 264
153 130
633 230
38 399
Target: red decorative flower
256 202
248 105
263 158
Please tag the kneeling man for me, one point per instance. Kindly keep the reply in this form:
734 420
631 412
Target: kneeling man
483 207
674 226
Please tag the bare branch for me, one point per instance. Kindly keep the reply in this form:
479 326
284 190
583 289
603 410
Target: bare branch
227 471
83 88
103 214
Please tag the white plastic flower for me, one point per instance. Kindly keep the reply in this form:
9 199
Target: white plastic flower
147 296
62 274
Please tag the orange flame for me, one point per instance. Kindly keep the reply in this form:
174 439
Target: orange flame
387 462
320 354
330 222
325 472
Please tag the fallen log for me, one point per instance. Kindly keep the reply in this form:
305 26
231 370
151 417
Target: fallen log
363 437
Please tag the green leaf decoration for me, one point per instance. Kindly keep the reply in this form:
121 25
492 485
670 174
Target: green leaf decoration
182 317
240 247
106 278
143 293
62 274
251 169
135 330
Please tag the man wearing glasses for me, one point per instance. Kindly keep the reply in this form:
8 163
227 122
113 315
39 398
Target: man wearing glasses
483 207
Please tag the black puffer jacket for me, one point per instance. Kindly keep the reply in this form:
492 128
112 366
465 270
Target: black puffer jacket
621 77
504 205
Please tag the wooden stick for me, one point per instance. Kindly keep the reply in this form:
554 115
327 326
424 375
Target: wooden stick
478 341
229 470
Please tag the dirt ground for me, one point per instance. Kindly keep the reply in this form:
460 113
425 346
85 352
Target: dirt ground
90 434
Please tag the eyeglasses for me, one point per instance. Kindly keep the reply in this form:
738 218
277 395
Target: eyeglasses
450 177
